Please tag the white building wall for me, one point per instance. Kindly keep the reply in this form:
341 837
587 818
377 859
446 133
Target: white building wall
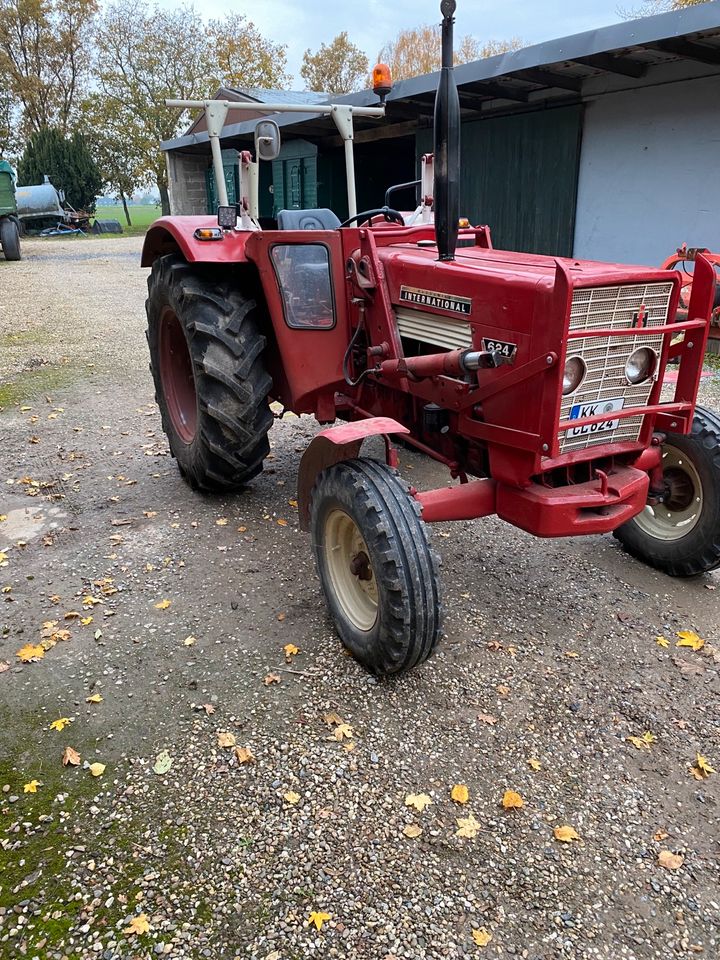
650 173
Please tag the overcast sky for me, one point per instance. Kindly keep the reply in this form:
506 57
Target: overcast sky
308 23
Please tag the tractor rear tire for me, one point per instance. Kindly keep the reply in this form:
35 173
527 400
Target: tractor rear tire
681 535
10 239
206 358
379 575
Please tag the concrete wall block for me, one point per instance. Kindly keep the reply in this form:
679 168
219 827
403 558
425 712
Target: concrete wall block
648 173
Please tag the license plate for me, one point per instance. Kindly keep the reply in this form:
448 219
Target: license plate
582 410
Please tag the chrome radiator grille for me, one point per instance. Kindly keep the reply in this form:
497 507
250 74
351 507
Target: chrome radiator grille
428 328
612 308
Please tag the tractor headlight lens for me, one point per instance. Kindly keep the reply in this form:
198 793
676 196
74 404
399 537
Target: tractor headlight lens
640 365
575 372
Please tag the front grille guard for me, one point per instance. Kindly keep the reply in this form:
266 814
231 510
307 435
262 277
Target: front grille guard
676 415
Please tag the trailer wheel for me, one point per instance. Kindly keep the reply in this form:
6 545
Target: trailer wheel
379 575
206 358
10 239
681 535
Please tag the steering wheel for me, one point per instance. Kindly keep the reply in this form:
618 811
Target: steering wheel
391 216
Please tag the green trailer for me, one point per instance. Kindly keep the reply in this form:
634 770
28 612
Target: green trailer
9 222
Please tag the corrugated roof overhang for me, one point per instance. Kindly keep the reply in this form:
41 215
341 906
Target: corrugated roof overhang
681 45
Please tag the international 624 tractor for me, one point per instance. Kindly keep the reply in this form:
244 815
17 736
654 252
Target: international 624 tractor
536 380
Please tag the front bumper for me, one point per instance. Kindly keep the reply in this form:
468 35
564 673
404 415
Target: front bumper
598 506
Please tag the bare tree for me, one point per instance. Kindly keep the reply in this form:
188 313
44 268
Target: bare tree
416 51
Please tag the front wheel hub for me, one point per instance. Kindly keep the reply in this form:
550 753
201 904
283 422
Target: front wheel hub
679 511
350 569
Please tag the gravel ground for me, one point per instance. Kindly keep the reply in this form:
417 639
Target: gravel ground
548 665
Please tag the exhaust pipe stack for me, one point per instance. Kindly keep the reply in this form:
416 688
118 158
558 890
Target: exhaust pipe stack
447 143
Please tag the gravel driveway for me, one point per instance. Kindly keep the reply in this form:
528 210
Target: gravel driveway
286 780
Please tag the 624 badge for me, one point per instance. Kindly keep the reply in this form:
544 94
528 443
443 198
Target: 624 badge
505 349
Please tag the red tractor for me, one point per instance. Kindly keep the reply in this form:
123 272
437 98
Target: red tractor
684 260
536 380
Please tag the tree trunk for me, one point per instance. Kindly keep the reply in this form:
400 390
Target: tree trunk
164 199
125 208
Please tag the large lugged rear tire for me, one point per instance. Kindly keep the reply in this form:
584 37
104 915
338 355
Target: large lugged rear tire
206 357
10 239
681 535
379 575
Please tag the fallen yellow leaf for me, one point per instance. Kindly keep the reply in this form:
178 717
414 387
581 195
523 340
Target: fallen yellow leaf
533 764
244 755
222 522
95 698
662 641
70 757
90 601
670 860
138 925
226 739
86 621
343 731
642 742
512 800
189 641
660 835
32 786
565 834
467 827
702 768
418 800
282 523
61 723
290 650
481 937
30 652
292 797
688 638
163 605
319 918
460 793
412 831
97 769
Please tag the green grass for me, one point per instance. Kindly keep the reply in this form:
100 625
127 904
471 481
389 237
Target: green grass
141 216
33 383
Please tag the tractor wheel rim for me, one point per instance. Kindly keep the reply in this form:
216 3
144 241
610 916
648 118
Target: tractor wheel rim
177 377
350 571
681 509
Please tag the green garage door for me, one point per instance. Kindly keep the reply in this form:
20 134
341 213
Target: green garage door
519 175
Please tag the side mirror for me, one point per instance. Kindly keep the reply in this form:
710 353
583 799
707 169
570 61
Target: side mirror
267 140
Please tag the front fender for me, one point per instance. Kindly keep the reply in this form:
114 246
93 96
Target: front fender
176 234
332 446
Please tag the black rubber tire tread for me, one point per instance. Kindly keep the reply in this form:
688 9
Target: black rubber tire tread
699 551
409 621
226 347
10 239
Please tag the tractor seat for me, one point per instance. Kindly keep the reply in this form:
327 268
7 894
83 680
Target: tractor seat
320 219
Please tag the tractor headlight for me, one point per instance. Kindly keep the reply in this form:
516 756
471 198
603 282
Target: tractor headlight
640 365
575 373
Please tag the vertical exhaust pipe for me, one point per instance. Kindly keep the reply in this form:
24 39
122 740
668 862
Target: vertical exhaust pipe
447 143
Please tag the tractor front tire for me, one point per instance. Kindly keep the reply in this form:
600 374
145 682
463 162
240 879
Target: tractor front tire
681 535
378 573
211 385
10 239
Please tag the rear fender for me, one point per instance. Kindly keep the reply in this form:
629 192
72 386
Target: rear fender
333 446
177 234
